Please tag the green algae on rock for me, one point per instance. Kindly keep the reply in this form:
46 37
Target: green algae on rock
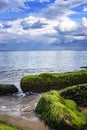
59 113
78 93
47 81
6 89
6 126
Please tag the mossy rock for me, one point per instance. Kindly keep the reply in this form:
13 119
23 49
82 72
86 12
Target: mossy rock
6 89
78 93
59 113
47 81
5 126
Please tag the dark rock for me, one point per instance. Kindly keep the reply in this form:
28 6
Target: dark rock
84 67
6 89
78 93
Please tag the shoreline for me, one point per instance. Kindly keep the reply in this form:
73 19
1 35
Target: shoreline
29 124
23 123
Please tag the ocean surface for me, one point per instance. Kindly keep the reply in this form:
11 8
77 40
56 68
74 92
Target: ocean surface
16 64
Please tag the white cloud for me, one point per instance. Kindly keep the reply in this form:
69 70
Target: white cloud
44 1
66 24
79 37
19 34
51 26
15 5
64 29
39 0
6 5
84 21
61 8
85 9
1 26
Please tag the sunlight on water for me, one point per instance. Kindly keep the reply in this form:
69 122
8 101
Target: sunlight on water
15 65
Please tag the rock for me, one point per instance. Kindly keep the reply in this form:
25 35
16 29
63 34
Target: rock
83 67
59 113
47 81
78 93
6 89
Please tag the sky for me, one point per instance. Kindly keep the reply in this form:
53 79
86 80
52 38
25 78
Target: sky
43 24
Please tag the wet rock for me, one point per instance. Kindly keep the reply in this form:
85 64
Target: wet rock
6 89
47 81
59 113
83 67
78 93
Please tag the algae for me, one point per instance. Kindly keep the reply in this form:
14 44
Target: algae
78 93
59 113
48 81
6 89
6 126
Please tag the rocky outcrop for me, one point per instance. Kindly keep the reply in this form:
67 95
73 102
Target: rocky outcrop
46 81
78 93
6 89
59 113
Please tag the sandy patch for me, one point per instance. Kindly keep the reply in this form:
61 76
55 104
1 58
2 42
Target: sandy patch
23 123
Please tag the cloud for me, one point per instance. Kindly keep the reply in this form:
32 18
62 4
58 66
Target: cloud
71 32
66 24
1 26
25 25
84 21
43 33
14 5
38 24
44 1
6 26
51 28
85 9
35 25
41 1
61 8
30 29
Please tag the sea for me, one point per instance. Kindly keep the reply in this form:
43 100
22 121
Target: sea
16 64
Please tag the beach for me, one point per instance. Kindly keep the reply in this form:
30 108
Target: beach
23 123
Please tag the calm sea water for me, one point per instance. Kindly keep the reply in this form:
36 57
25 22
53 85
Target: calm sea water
16 64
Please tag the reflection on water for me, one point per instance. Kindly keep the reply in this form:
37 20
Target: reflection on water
16 64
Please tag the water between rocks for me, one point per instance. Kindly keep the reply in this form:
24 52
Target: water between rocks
21 106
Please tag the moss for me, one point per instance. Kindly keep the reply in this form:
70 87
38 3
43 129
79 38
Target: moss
59 113
6 89
5 126
47 81
78 93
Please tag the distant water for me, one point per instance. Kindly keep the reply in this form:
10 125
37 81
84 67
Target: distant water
16 64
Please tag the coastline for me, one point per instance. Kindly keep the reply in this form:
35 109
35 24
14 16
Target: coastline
23 123
29 124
